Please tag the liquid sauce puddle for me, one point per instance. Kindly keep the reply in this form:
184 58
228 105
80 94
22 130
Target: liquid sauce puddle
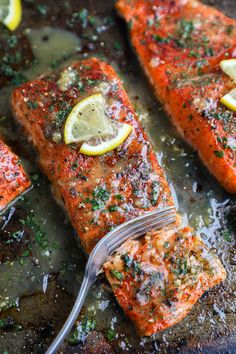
45 252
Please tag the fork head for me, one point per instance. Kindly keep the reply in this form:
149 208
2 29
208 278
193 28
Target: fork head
129 230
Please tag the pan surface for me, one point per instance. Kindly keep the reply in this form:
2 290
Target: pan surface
41 264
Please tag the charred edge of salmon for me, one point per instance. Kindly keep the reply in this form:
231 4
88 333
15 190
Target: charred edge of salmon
13 179
157 280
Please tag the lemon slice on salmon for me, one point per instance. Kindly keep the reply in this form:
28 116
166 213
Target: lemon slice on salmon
87 120
229 67
88 123
98 146
10 13
229 100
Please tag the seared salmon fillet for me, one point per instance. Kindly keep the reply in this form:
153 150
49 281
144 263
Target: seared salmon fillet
97 192
13 179
159 278
180 44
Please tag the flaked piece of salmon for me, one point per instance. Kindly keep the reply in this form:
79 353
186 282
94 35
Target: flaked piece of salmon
13 179
180 44
159 278
97 192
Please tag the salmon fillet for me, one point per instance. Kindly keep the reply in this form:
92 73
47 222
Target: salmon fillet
159 278
97 192
13 179
180 44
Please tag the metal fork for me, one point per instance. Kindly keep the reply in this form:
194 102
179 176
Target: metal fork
105 248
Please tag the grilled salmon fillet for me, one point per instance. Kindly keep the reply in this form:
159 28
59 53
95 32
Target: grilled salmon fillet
159 278
180 44
97 192
13 179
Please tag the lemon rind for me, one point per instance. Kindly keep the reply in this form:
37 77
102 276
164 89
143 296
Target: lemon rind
229 102
107 146
14 17
226 64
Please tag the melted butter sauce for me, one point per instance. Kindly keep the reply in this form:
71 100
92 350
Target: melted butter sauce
200 200
50 46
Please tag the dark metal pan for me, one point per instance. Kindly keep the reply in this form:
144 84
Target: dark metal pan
41 272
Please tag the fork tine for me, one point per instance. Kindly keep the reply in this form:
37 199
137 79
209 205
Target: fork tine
142 229
157 217
145 227
141 220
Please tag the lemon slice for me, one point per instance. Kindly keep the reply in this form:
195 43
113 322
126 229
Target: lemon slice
101 146
87 120
229 100
10 13
229 67
88 123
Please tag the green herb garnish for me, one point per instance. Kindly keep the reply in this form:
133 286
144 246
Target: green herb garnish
219 153
116 274
111 334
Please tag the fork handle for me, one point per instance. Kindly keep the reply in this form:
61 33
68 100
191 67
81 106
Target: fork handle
85 286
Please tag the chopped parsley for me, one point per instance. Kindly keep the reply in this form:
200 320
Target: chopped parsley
8 322
111 334
194 54
219 153
155 193
166 244
112 208
100 196
12 41
229 29
160 39
61 116
209 52
96 204
181 266
116 274
117 45
26 253
119 197
184 32
42 9
40 236
132 264
80 333
127 260
101 193
226 235
32 105
81 17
